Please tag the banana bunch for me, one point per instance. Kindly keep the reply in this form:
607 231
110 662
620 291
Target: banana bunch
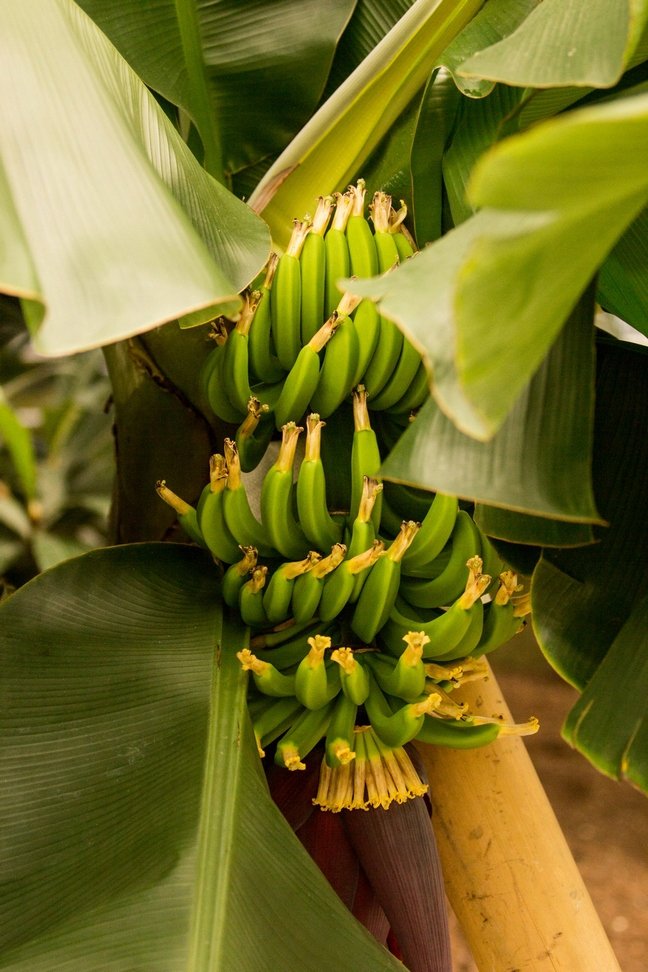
298 343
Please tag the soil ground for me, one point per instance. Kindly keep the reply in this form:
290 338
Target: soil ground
605 822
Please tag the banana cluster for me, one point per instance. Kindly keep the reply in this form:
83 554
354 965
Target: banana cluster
298 344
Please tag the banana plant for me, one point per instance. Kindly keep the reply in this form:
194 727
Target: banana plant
141 829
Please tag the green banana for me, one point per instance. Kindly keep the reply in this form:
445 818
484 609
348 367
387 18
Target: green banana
280 634
278 592
472 636
417 393
302 379
285 298
273 719
443 589
263 363
339 367
366 321
290 653
362 248
400 382
353 675
404 678
277 515
339 585
215 383
313 271
211 514
340 737
307 589
378 594
235 371
399 727
267 679
316 682
384 362
402 238
444 632
250 603
187 515
314 517
502 619
436 528
338 264
236 575
363 532
254 434
390 520
455 733
365 457
410 502
239 518
303 736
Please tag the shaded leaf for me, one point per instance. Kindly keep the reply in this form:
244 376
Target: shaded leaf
135 813
110 226
18 441
524 528
539 460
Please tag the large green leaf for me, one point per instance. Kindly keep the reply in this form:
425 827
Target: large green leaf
485 302
248 72
109 224
337 140
588 602
138 832
623 281
539 460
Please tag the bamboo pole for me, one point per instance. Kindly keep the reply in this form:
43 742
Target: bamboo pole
510 876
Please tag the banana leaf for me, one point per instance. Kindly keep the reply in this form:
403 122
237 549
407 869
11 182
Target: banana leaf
138 831
109 225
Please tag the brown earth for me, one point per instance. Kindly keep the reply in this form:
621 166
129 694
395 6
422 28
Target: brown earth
605 822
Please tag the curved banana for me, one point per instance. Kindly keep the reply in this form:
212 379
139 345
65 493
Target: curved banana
285 298
221 542
235 371
363 531
340 363
400 382
502 621
415 396
267 679
378 595
366 321
340 737
308 588
410 502
303 378
277 515
254 434
448 585
339 585
240 519
316 682
456 733
313 271
353 675
264 365
436 528
280 635
236 575
215 383
303 736
250 602
272 720
365 457
399 727
278 592
404 678
290 653
187 515
338 264
314 518
384 361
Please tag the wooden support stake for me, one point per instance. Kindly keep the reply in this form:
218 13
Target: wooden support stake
510 876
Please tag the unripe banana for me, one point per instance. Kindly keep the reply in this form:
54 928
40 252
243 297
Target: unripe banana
384 362
187 515
339 367
404 678
221 542
273 719
235 373
307 589
302 379
316 682
362 248
314 517
416 395
277 516
239 518
215 382
267 678
285 299
339 585
340 738
446 587
338 264
313 271
378 595
280 634
303 736
353 674
290 653
250 602
236 575
254 434
366 321
399 727
436 529
264 365
455 733
363 532
278 592
502 621
365 456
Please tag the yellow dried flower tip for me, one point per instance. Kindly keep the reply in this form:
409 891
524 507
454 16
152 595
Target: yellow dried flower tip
318 645
292 759
528 728
379 776
415 642
522 605
344 658
343 753
250 662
